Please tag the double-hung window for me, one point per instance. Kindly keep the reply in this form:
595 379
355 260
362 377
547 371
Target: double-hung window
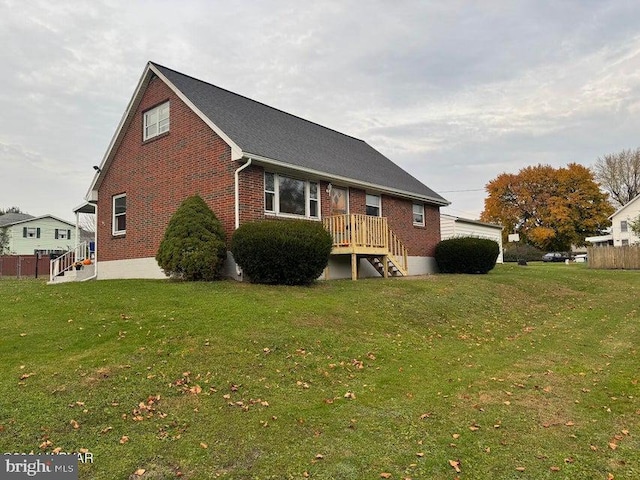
418 215
31 232
291 196
62 234
373 205
119 221
156 121
624 226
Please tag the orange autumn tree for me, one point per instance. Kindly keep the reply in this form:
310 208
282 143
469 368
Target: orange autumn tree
550 208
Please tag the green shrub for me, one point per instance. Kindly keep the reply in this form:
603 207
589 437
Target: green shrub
466 255
514 252
193 247
288 252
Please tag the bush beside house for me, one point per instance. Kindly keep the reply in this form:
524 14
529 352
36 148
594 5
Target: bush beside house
288 252
193 247
466 255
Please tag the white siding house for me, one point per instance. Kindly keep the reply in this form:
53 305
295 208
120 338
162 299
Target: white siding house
44 234
451 226
621 223
621 233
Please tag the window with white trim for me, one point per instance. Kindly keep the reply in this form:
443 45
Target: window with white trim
373 205
119 221
418 215
624 227
156 121
291 196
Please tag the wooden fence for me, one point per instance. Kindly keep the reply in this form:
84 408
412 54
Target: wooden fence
626 258
24 266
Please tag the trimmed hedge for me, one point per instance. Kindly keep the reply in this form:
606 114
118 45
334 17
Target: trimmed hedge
193 247
514 252
466 255
287 252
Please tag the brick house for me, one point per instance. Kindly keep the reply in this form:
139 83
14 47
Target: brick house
181 136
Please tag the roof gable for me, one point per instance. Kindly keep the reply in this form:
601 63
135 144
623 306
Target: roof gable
625 206
26 218
264 131
271 136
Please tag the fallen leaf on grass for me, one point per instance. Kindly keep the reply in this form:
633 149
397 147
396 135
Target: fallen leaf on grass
455 464
204 445
74 424
124 439
139 472
613 446
385 475
555 469
520 469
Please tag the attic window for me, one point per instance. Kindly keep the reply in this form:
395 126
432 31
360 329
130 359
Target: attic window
156 121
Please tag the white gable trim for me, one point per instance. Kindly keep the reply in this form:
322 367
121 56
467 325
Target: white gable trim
149 71
19 222
629 203
236 151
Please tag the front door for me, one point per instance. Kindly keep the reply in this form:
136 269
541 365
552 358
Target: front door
339 201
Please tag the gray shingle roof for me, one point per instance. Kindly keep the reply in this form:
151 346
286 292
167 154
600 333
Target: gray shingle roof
11 218
268 132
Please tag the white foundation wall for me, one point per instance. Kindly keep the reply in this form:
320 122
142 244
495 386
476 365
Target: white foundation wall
339 267
131 268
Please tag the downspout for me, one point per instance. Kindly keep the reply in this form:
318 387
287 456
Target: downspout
237 185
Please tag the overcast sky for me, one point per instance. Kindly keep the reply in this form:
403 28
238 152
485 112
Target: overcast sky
455 92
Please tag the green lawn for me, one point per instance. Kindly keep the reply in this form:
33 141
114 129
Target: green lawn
524 373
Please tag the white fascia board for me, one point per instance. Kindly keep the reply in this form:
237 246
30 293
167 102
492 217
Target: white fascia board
143 82
236 151
633 200
347 181
92 193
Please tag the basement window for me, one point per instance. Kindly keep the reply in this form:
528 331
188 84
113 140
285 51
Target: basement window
156 121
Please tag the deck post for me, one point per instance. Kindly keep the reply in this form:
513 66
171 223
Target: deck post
354 266
385 266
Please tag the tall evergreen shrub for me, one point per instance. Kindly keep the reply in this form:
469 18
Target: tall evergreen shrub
193 247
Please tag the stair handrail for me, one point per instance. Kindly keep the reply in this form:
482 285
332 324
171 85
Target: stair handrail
67 260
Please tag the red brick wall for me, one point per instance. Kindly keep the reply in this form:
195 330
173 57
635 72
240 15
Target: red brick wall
157 175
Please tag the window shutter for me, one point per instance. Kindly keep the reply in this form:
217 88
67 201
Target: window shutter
68 234
56 233
24 232
38 232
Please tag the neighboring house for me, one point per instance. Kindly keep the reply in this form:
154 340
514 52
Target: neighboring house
621 233
452 226
44 234
180 136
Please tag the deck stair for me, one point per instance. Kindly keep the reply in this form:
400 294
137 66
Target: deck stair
366 236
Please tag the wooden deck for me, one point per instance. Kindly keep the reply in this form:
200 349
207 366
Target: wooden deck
367 236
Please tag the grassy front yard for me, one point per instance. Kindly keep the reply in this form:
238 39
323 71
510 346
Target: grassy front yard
524 373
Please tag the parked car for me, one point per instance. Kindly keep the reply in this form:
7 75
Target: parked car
581 258
556 257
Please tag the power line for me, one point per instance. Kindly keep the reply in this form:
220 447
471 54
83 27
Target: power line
469 190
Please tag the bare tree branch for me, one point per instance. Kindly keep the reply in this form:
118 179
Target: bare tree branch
619 174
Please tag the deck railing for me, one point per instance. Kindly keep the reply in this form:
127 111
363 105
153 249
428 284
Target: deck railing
357 230
365 234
